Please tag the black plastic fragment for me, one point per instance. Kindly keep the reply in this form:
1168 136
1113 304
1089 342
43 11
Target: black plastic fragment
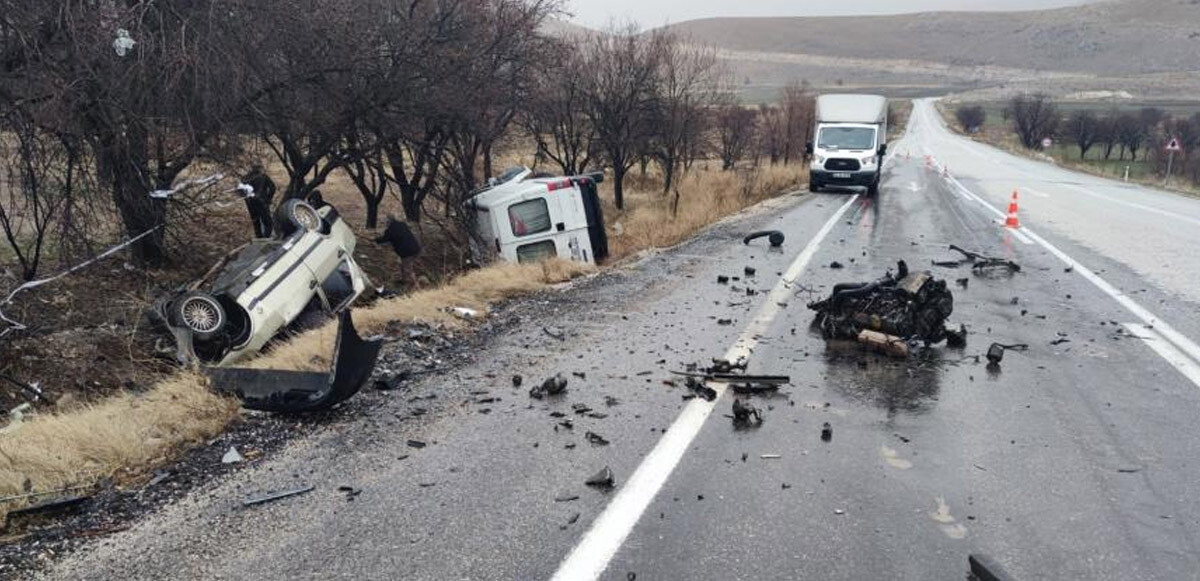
775 237
602 479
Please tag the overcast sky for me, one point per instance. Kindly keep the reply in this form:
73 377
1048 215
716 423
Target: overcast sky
651 13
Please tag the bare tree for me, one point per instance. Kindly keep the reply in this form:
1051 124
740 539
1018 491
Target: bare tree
1035 117
555 113
798 107
1131 133
735 132
684 87
620 68
971 117
771 135
1084 128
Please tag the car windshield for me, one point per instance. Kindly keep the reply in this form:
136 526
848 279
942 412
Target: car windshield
847 138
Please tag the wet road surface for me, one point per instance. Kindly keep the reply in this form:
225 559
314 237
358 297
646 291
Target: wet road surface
1073 461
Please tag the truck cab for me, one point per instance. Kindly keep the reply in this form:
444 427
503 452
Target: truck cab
522 217
850 141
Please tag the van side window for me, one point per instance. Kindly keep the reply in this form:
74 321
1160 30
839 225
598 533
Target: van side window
536 251
529 217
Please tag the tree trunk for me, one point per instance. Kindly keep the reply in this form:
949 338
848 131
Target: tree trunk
372 213
412 207
619 186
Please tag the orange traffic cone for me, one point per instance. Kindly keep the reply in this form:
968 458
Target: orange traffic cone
1012 221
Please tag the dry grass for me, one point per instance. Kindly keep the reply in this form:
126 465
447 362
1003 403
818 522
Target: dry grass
705 196
81 446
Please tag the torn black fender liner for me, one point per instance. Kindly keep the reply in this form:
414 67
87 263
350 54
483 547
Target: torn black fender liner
304 391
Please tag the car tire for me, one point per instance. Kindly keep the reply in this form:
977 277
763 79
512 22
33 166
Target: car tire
296 215
814 186
199 313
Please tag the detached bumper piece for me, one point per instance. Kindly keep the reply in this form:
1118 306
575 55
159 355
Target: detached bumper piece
304 391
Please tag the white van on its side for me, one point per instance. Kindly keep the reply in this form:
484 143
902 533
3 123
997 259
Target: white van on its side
521 217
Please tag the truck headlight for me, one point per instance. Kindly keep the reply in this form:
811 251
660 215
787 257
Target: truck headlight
820 160
868 160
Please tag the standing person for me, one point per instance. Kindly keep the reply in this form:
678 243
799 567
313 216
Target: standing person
264 187
260 216
405 244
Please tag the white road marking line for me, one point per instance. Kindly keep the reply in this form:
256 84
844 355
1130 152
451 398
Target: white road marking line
1162 327
1030 190
1134 205
1152 338
588 560
1017 232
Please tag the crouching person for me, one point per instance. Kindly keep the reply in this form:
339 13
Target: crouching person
406 246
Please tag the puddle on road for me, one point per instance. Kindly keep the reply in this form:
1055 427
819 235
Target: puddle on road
899 386
893 459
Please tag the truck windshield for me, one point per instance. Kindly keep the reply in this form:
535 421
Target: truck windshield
847 138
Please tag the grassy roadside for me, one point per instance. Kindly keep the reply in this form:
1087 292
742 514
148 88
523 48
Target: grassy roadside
997 133
128 435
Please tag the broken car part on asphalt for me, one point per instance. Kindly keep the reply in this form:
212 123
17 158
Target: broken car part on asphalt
911 306
745 414
602 479
980 264
995 353
551 386
775 237
271 496
276 390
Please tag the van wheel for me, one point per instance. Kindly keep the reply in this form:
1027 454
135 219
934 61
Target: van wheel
199 313
297 215
814 186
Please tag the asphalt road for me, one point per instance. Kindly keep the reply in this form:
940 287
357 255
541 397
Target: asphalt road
1073 461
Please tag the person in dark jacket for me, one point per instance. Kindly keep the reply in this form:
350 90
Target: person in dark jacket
264 187
260 216
405 244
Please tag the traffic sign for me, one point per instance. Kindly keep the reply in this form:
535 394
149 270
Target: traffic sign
1047 142
1173 145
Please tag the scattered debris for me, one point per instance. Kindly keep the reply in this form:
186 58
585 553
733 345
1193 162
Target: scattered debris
271 496
1060 341
231 456
986 569
551 386
49 507
980 264
465 313
570 521
963 282
745 414
956 339
516 380
595 439
749 271
995 353
602 479
722 279
826 432
555 333
698 387
836 264
566 497
754 388
882 343
775 237
724 322
416 444
350 492
724 366
908 306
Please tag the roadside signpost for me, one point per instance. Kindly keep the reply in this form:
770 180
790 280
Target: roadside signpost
1047 143
1172 147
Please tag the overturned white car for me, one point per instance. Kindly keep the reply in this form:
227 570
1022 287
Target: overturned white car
261 288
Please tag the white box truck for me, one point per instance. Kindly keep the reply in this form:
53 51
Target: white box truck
849 142
525 217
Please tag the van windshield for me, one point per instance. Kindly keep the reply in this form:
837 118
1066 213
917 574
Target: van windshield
847 138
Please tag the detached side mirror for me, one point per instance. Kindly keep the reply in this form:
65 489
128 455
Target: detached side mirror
883 149
808 148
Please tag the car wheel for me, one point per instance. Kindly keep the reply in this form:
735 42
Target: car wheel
814 186
297 215
200 313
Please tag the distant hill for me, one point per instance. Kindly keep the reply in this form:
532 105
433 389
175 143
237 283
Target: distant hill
1120 38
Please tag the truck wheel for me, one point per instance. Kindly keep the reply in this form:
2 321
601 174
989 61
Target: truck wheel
199 313
296 215
814 185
